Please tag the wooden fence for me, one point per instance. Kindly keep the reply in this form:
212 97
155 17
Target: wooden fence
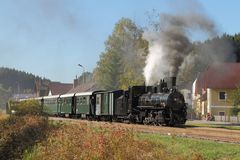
234 119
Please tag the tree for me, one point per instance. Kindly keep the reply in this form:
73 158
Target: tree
225 48
108 71
235 98
122 62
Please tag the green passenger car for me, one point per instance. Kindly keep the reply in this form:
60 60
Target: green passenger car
51 106
83 104
66 104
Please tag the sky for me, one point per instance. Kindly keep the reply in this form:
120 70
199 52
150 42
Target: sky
49 38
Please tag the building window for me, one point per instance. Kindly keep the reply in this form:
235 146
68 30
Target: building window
222 95
221 113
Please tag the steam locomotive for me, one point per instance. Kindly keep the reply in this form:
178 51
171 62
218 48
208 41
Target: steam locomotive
157 105
162 104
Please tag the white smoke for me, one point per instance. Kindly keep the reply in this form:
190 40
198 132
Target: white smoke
156 66
171 44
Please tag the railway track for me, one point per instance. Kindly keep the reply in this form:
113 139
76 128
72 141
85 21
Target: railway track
204 133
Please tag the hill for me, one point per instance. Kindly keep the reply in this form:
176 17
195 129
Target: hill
13 81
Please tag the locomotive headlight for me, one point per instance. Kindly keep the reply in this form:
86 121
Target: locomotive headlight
175 99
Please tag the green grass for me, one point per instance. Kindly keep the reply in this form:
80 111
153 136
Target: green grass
189 147
189 124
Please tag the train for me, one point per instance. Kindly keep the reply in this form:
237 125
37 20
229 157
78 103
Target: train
161 104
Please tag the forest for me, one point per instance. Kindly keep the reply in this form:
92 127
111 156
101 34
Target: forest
13 81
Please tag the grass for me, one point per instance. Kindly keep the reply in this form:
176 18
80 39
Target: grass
35 138
87 141
72 141
231 127
3 116
191 147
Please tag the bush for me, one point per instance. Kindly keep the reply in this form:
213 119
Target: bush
234 111
20 133
32 107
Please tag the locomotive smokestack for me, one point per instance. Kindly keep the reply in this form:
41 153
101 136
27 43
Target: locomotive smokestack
174 81
171 82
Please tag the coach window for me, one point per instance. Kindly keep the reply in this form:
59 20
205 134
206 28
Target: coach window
84 100
98 100
222 95
80 100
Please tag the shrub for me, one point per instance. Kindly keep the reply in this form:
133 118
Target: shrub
32 107
20 133
234 111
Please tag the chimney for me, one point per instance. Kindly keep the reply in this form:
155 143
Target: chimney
75 83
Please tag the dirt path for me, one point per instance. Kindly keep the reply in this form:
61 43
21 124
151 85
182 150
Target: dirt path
215 134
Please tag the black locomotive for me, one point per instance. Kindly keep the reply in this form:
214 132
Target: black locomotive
157 105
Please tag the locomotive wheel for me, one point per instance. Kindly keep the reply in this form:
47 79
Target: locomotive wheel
154 123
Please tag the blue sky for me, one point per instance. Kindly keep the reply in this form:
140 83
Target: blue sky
50 37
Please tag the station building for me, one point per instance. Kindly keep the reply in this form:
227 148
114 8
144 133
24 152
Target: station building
212 90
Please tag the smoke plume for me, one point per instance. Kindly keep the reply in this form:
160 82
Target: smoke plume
171 44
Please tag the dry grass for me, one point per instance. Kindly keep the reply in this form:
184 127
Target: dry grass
18 134
3 116
72 141
32 137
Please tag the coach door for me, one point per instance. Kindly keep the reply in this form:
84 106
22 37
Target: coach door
111 103
98 104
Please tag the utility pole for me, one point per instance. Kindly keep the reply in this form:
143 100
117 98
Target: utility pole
83 72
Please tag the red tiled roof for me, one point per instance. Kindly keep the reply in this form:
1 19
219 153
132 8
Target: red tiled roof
59 88
219 76
84 88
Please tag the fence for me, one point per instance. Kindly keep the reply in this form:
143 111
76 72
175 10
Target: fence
234 119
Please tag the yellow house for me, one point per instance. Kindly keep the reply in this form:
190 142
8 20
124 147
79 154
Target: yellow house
213 88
